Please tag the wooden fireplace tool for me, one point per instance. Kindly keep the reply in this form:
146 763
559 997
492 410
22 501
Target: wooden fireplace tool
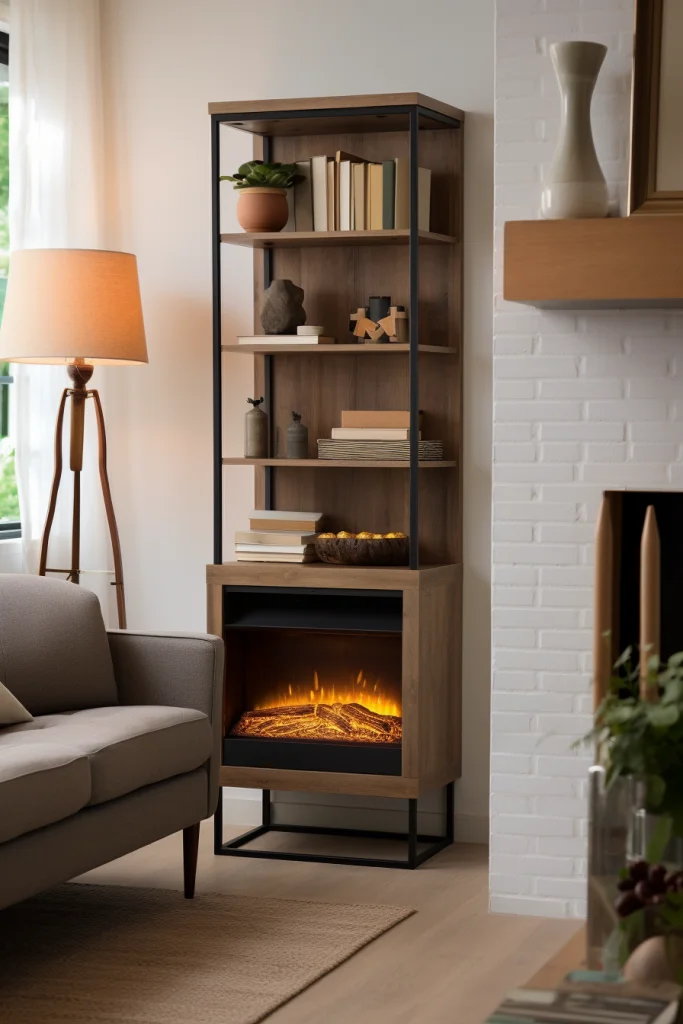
80 373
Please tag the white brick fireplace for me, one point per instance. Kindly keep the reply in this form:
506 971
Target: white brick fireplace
582 402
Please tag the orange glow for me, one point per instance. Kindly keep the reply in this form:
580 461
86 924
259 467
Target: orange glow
358 711
356 691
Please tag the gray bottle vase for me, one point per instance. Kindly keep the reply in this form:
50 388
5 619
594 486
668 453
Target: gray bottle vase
256 431
297 438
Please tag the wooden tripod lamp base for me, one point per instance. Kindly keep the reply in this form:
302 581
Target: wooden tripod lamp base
75 307
80 373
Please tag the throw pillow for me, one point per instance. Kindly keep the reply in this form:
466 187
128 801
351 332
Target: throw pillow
11 711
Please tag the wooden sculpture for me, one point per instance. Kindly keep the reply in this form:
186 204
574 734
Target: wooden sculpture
649 601
602 615
391 328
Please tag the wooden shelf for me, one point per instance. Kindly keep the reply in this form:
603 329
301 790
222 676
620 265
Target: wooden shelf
386 350
591 264
319 574
306 239
370 113
342 463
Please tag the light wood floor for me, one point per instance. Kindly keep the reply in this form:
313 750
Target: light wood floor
451 962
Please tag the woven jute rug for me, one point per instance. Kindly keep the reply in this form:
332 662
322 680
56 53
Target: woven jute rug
113 955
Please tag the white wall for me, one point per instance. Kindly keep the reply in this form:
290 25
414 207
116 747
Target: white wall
583 402
164 61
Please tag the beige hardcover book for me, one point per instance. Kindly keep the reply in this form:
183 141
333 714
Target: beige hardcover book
424 187
376 186
319 188
341 156
272 537
332 202
255 556
376 418
284 525
359 187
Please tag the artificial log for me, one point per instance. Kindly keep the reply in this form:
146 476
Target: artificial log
650 597
603 610
339 722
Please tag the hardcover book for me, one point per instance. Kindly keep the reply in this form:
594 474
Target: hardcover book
303 198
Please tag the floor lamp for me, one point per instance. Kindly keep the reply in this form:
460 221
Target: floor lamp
77 307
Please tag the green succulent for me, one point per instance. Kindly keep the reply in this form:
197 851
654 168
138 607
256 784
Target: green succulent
257 174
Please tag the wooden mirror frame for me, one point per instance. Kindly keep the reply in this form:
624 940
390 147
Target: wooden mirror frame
643 195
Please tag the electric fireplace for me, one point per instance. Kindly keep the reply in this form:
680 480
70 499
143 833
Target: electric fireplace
314 681
339 682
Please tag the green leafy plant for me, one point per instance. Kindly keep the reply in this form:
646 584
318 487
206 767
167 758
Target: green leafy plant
643 739
257 174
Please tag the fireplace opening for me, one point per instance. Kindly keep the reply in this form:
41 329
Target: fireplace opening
319 699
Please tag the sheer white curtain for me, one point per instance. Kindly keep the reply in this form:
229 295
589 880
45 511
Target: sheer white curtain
56 200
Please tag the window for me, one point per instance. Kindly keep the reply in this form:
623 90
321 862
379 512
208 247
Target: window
9 500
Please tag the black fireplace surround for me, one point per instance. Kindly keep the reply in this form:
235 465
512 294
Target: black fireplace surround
292 633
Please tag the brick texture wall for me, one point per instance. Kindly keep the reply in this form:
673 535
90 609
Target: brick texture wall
583 401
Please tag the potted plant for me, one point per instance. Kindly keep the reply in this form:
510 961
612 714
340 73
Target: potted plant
642 740
262 187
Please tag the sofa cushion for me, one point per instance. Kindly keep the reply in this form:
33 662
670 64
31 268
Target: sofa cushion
11 711
40 783
54 653
127 747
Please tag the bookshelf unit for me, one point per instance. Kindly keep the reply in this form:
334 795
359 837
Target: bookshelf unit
338 271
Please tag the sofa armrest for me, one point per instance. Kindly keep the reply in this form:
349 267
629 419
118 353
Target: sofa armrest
183 670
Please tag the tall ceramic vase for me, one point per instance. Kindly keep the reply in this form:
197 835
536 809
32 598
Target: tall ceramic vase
575 185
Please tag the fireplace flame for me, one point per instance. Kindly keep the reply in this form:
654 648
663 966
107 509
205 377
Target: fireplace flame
358 711
357 691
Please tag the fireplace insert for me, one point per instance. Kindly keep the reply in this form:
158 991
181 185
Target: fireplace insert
315 681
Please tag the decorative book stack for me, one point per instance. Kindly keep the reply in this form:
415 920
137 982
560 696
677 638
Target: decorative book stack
375 434
347 193
278 537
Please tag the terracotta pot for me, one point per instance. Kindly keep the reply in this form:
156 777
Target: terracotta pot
262 209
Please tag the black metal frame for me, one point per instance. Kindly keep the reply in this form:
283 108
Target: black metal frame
413 112
435 844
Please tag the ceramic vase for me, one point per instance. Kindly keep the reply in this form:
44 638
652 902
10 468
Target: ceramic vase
575 185
256 431
297 438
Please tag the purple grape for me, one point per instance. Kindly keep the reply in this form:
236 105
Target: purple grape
643 891
625 884
627 903
638 870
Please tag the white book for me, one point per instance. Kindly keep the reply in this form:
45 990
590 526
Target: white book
285 339
319 188
282 549
259 513
265 556
345 195
370 434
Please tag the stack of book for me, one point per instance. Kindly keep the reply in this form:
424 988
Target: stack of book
345 193
376 435
278 537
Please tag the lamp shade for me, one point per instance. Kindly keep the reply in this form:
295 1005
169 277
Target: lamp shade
66 304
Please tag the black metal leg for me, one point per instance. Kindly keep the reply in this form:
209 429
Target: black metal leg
450 812
432 844
412 833
218 824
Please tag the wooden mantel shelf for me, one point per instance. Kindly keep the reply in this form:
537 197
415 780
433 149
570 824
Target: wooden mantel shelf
614 263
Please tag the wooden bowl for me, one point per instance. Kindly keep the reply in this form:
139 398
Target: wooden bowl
351 551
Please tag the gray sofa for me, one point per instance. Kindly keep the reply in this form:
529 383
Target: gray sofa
124 745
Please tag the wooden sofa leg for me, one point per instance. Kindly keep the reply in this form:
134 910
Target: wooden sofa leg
190 851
